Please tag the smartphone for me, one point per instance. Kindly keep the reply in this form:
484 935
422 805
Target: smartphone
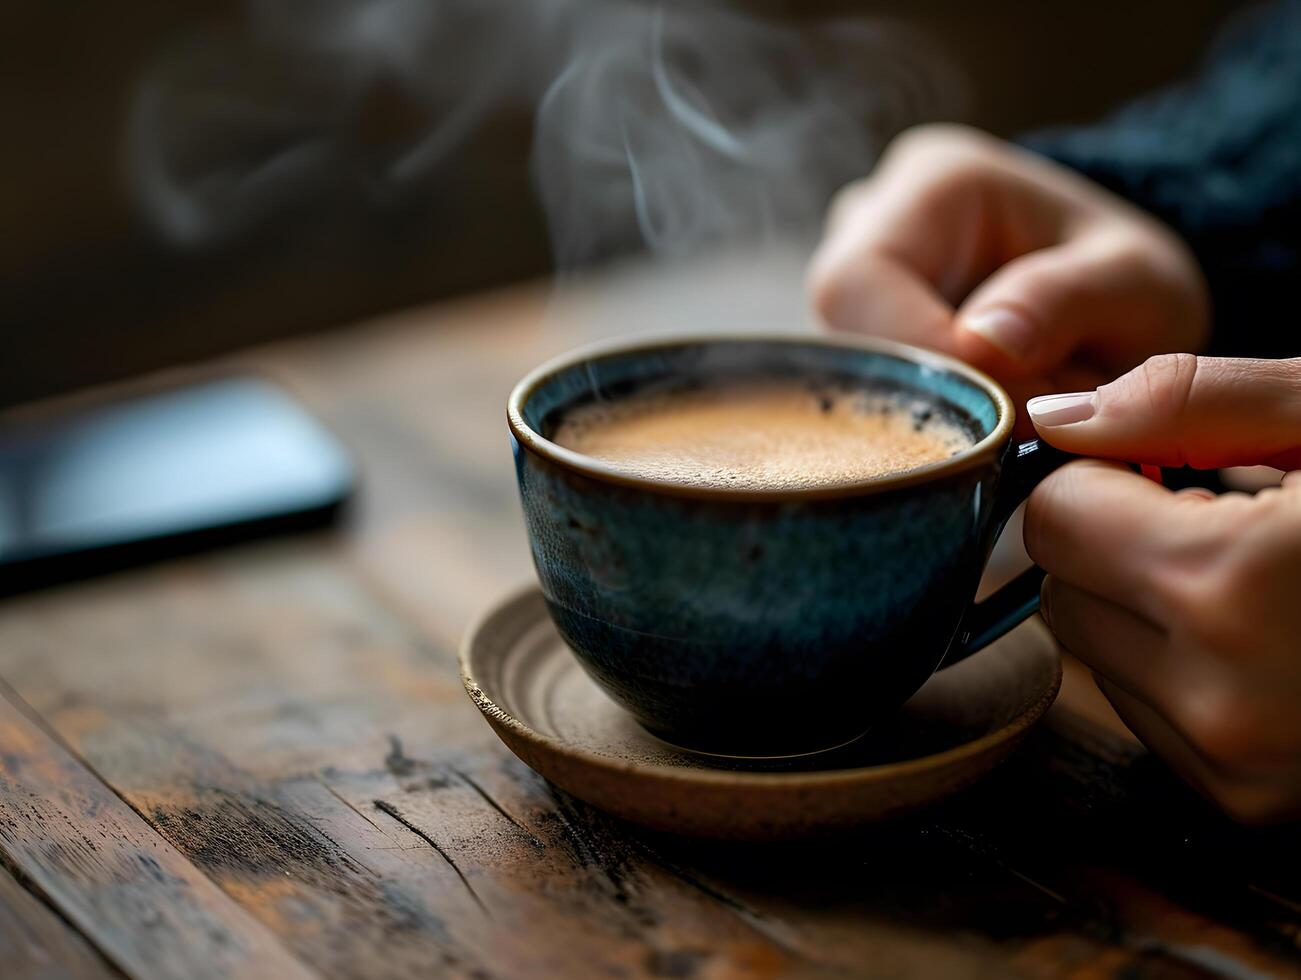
154 476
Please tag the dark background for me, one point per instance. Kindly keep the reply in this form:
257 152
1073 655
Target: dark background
88 292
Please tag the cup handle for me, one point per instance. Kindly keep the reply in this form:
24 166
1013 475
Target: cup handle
1023 467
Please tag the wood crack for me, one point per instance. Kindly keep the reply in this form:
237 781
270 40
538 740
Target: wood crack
349 804
777 932
385 807
487 798
981 849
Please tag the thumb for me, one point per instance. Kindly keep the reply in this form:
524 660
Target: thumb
1182 410
1100 291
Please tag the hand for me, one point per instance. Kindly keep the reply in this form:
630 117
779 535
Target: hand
967 245
1187 606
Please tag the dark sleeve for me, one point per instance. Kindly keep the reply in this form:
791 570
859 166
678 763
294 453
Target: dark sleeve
1219 159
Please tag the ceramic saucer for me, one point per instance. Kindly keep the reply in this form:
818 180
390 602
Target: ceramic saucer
962 723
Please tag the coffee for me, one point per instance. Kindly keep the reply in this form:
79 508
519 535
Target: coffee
765 433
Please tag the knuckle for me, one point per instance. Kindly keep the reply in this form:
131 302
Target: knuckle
946 152
1126 252
1244 741
1167 382
1050 283
1229 587
946 136
1221 726
1169 269
1205 603
1223 627
1161 389
913 142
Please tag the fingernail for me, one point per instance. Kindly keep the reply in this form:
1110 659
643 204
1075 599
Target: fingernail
1006 329
1074 406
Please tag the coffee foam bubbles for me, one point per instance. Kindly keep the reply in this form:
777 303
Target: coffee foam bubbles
764 434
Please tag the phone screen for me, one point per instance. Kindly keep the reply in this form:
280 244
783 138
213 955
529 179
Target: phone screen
140 478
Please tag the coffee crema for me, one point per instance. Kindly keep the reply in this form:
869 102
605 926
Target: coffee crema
764 434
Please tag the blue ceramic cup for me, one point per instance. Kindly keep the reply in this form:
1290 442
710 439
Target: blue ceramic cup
765 623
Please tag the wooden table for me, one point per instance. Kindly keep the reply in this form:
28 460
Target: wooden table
260 762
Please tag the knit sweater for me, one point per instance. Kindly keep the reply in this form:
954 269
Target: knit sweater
1218 158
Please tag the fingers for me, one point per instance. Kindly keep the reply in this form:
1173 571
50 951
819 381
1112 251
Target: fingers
1162 738
911 241
1178 409
1047 269
1106 530
1114 641
1102 293
884 297
929 206
1246 796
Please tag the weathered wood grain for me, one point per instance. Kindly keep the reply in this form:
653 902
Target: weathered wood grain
288 719
228 668
256 711
35 944
140 901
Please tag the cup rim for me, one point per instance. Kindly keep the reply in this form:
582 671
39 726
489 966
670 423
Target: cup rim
589 466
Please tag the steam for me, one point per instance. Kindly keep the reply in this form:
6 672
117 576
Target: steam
694 124
668 126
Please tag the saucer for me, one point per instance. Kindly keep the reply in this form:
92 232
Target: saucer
540 702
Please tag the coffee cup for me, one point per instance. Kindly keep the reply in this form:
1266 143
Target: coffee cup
769 621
